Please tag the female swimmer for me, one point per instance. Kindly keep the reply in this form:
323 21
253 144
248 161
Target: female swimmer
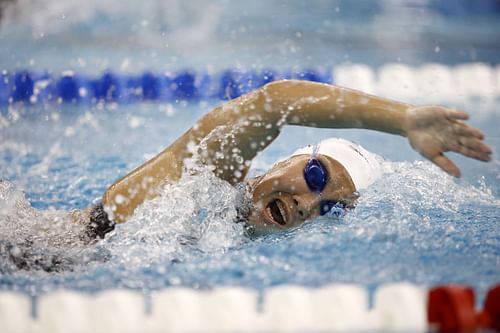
314 179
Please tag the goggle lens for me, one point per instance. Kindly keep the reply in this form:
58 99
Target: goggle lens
315 175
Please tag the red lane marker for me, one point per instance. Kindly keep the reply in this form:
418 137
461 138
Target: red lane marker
490 317
451 308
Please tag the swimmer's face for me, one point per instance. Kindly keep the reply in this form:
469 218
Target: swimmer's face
282 198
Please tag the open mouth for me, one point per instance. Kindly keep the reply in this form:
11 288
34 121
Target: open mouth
276 211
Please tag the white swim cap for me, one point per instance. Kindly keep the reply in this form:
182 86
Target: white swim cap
363 167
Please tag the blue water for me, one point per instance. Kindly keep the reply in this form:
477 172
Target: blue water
416 224
94 35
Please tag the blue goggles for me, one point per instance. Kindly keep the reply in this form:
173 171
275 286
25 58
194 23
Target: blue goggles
316 177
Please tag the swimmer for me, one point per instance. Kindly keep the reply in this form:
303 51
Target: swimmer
313 180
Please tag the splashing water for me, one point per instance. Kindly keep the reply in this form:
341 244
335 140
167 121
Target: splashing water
34 239
188 218
414 224
192 217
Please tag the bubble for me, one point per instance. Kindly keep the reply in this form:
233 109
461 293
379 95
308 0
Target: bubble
190 217
32 239
120 199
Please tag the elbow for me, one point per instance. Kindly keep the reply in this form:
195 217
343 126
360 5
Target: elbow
278 86
276 93
299 88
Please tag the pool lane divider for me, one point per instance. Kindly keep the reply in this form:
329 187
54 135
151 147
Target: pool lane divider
430 81
398 307
70 87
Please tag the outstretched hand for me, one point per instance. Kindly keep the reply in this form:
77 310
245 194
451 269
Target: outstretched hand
433 130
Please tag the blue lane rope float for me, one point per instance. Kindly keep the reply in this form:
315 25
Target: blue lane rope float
31 87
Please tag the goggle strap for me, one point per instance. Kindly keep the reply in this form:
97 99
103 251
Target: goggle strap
315 151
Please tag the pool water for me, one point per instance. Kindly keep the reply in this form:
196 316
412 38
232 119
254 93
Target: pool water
415 224
125 36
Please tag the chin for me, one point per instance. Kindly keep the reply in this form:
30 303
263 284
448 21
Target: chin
258 226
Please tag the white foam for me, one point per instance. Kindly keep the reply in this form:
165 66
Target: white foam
186 218
35 237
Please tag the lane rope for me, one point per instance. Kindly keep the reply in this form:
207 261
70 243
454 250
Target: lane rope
429 81
397 307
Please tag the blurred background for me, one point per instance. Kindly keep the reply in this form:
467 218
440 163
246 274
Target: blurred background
132 36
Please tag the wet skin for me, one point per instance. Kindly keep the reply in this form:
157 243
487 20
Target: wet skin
239 129
282 199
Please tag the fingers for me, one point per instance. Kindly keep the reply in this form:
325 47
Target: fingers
474 144
474 154
466 130
470 142
447 165
474 148
456 114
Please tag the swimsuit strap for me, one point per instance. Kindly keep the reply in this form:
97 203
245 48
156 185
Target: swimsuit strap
99 223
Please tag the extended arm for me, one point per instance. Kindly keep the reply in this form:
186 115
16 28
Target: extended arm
231 135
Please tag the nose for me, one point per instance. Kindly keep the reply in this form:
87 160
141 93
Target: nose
306 204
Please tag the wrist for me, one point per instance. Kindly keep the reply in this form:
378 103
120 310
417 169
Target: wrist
407 113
